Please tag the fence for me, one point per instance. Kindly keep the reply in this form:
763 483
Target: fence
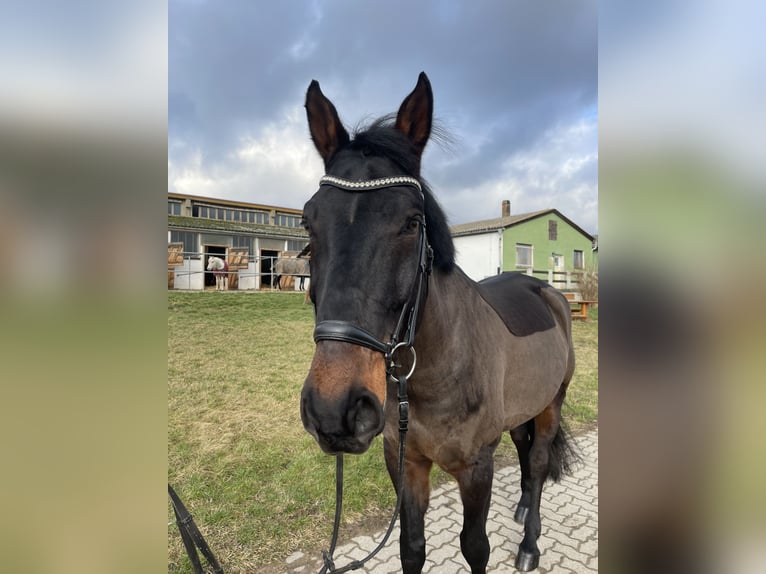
187 270
562 280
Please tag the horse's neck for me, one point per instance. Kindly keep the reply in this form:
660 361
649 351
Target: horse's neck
449 316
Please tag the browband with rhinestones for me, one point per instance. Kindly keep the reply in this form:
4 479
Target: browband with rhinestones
370 184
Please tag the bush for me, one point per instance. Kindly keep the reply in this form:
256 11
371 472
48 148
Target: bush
589 284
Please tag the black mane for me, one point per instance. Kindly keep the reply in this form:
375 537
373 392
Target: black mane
382 139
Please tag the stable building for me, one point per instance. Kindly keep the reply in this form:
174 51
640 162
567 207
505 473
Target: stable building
251 237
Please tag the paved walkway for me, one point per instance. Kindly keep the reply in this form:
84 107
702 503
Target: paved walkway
569 515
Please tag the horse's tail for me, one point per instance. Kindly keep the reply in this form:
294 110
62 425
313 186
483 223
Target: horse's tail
562 455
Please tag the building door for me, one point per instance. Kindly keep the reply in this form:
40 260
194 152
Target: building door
175 258
268 259
237 258
558 262
212 251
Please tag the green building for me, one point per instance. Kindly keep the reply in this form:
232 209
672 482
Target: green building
546 244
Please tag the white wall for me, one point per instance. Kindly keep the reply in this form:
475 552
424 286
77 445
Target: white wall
189 275
248 278
479 255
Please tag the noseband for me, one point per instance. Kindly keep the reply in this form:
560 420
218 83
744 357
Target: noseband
402 337
404 333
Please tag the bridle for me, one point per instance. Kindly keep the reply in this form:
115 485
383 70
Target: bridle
403 337
404 333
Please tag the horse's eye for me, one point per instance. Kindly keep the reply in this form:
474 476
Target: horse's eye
413 225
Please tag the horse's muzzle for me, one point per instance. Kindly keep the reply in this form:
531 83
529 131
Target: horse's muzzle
343 396
343 425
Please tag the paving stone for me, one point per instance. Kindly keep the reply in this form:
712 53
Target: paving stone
441 554
583 534
572 565
569 516
293 557
439 513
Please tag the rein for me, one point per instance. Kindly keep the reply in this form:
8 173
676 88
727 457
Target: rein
402 337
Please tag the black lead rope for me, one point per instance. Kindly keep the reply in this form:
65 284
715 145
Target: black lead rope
404 413
191 536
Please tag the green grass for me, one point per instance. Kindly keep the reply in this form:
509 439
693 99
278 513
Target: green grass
256 483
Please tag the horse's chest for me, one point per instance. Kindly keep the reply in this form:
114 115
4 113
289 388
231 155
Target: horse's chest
455 445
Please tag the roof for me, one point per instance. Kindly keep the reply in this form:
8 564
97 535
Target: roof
260 229
498 223
227 202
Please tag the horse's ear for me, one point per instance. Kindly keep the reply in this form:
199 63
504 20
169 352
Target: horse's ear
327 131
416 112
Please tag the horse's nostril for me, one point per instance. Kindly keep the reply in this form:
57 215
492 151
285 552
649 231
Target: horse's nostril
309 422
366 417
347 423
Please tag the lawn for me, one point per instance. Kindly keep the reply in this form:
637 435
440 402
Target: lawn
256 483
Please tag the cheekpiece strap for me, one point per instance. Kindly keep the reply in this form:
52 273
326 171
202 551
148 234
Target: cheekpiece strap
350 185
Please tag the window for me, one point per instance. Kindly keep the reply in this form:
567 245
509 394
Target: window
552 230
174 208
255 217
287 220
578 260
217 239
243 241
296 244
524 255
189 240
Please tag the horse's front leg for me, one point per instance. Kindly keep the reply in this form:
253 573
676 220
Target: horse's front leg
475 483
412 541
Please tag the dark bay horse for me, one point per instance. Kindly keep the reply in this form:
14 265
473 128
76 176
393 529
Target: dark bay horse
488 357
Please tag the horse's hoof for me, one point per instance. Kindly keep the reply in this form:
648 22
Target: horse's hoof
521 514
526 561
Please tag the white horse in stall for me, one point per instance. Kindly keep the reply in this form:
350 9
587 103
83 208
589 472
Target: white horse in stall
220 269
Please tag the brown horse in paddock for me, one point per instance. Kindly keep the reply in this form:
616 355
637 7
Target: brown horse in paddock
488 357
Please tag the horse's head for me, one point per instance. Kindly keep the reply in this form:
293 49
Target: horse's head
366 242
211 263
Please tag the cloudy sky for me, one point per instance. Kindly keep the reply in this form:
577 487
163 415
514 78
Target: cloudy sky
515 85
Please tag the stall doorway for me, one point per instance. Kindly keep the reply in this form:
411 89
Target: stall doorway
215 251
268 259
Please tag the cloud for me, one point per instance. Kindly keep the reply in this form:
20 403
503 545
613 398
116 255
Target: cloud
559 171
508 80
276 166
